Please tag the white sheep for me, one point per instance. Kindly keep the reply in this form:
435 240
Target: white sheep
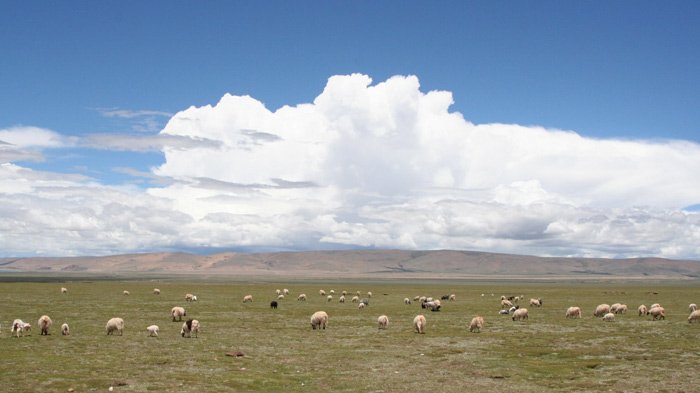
322 292
247 298
19 327
369 294
64 290
654 305
329 298
319 320
536 302
355 299
642 310
194 298
613 308
156 291
278 291
416 298
520 314
476 324
609 317
301 297
190 327
178 312
419 324
505 303
280 296
406 300
285 291
341 299
601 310
188 297
383 322
573 312
153 330
620 309
657 313
44 324
452 297
115 325
332 292
65 330
126 293
694 316
361 306
692 307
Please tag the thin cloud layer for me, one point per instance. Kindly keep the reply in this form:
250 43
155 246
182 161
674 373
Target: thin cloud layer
363 165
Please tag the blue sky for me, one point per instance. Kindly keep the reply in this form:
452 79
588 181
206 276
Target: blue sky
102 78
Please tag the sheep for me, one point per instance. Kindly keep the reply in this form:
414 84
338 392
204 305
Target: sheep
247 298
188 297
476 324
620 309
358 293
452 297
369 294
344 293
273 304
332 292
383 322
64 290
419 324
444 297
19 327
194 298
601 310
536 302
329 298
126 293
285 291
694 316
512 309
692 307
609 317
44 324
301 297
505 303
406 300
416 298
657 313
573 312
642 310
322 292
654 305
153 330
365 301
115 325
341 299
319 320
156 291
278 291
355 299
65 330
178 312
433 306
280 297
613 308
503 312
520 314
190 327
361 306
421 299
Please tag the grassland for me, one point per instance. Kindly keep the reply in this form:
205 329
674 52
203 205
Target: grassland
283 354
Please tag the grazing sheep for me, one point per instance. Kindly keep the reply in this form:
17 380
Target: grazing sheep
332 292
278 291
476 324
153 330
156 291
301 297
247 298
536 302
369 294
406 300
178 312
452 297
642 310
358 293
194 298
44 324
344 293
444 297
692 307
355 299
285 291
383 321
657 313
190 327
620 309
273 304
19 327
188 297
573 312
422 299
416 298
361 306
280 297
609 317
65 330
341 299
520 314
365 301
694 316
419 324
319 320
329 298
433 306
64 290
613 308
126 293
115 325
654 305
512 309
322 292
601 310
503 312
505 303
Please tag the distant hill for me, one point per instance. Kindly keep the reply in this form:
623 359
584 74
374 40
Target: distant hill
364 263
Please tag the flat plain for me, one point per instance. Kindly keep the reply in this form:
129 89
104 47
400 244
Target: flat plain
281 353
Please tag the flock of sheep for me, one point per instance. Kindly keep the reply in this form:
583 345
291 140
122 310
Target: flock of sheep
319 319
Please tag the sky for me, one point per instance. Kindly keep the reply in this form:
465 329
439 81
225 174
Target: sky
547 128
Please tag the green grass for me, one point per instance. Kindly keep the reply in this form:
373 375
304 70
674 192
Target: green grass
283 354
